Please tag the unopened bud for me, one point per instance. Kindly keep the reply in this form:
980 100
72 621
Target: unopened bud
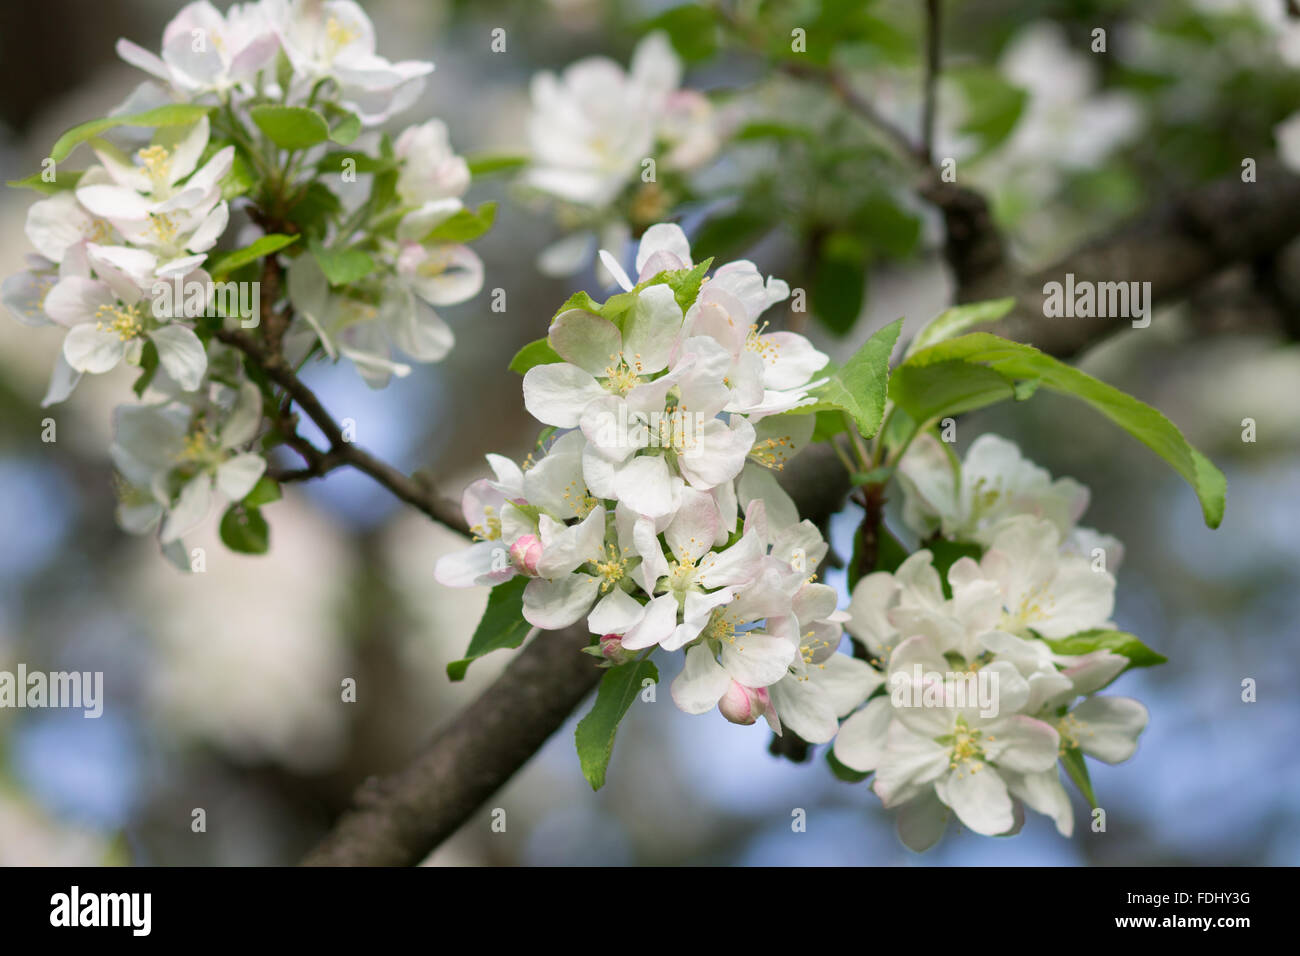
611 648
525 553
744 705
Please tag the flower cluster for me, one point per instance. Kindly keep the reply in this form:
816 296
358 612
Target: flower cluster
986 673
654 515
608 146
234 141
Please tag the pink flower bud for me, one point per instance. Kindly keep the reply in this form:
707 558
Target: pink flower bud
744 705
611 647
525 553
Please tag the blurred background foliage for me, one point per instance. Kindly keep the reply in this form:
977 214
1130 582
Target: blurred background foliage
223 687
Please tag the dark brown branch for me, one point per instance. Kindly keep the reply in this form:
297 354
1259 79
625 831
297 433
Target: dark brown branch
933 44
399 819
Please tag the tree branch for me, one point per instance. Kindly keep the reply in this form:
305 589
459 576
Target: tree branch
419 495
399 819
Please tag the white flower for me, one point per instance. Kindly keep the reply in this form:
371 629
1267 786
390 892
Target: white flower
578 565
592 126
59 222
1103 727
750 639
495 523
429 169
1038 587
822 685
600 359
994 483
663 248
697 579
203 52
153 443
336 39
109 318
955 751
366 333
162 205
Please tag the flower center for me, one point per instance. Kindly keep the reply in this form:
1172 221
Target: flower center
490 529
772 452
966 751
720 627
681 574
157 163
164 227
621 376
611 569
337 36
765 349
124 320
1071 728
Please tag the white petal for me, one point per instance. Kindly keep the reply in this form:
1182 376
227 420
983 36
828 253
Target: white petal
552 605
181 353
860 743
190 508
87 349
557 394
236 476
702 682
758 660
1111 726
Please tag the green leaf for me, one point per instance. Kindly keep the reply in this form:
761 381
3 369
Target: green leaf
1117 642
148 368
244 530
995 365
993 105
947 388
62 182
859 387
484 164
579 300
830 422
178 114
341 266
957 320
464 226
843 771
313 210
839 281
228 262
1077 769
534 353
346 128
595 733
291 127
685 283
733 233
692 28
241 178
890 552
767 129
264 492
502 625
332 162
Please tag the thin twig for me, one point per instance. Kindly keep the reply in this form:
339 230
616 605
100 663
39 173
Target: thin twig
341 451
934 28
